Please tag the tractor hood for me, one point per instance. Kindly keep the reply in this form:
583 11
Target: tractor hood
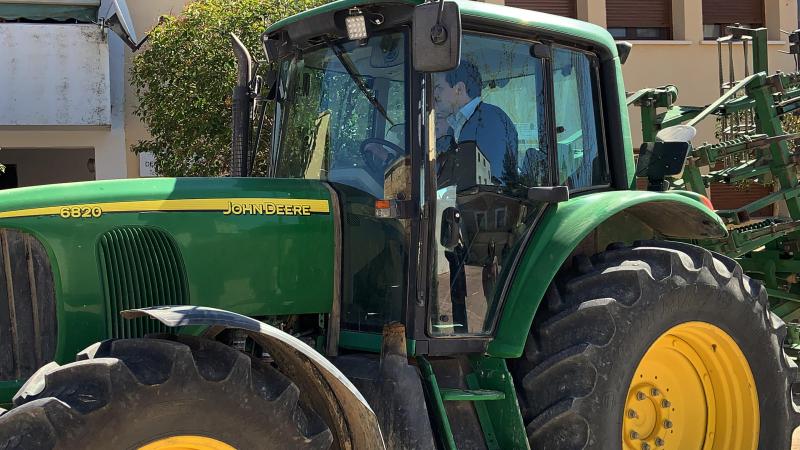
75 255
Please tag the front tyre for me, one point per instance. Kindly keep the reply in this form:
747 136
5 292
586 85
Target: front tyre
158 394
657 346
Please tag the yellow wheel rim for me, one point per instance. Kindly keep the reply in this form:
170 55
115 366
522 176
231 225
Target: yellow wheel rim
187 443
692 389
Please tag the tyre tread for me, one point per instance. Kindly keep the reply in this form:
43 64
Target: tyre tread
577 321
56 396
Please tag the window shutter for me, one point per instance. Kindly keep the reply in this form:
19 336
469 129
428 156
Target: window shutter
639 13
733 11
566 8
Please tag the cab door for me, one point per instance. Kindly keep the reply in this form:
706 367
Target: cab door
514 115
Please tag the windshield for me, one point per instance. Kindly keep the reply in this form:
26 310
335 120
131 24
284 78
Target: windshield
341 117
342 114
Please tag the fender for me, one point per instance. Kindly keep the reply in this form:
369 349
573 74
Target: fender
562 227
346 411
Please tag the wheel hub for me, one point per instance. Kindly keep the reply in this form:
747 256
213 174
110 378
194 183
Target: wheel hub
642 414
692 389
187 443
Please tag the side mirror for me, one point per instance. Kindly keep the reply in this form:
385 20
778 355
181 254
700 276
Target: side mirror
451 228
624 50
437 36
662 159
276 47
271 48
666 156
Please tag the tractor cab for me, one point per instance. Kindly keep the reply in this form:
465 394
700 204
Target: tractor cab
441 166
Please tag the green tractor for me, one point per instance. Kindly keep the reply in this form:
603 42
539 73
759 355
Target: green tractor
449 252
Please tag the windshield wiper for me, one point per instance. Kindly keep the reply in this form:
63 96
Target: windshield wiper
356 77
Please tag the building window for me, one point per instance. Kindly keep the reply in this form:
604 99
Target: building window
640 33
566 8
720 14
639 19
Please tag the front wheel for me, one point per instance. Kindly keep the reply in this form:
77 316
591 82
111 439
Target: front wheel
159 394
657 346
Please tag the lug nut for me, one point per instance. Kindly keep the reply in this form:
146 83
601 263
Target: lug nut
632 414
665 403
668 424
640 395
634 435
659 442
645 446
654 392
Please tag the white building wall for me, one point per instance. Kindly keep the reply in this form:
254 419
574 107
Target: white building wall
106 138
54 75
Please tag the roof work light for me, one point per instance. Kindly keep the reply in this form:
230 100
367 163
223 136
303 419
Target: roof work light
356 25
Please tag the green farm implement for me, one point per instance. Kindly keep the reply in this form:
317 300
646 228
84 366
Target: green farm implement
449 252
754 147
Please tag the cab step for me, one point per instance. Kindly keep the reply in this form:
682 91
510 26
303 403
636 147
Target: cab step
471 395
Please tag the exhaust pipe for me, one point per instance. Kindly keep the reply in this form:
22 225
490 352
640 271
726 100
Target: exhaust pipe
242 105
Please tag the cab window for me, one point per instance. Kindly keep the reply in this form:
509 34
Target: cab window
581 153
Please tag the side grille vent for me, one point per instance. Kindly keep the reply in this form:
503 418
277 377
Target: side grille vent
28 326
140 267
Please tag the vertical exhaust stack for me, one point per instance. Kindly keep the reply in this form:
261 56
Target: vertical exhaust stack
242 103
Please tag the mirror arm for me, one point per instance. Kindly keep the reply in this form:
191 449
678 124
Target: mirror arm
439 32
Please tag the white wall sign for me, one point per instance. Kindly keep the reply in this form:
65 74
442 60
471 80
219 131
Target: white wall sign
147 165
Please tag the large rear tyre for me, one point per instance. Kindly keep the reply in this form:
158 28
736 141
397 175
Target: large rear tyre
657 346
157 394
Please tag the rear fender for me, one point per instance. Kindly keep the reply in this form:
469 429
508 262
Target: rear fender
330 392
563 227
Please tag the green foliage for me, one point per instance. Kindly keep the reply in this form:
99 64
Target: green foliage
184 78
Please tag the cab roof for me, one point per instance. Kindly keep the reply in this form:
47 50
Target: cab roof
482 11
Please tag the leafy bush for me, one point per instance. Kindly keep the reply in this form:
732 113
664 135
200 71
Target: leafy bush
184 77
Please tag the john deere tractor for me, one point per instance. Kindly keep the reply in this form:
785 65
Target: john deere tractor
449 252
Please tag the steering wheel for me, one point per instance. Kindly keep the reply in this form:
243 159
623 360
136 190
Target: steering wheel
374 165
